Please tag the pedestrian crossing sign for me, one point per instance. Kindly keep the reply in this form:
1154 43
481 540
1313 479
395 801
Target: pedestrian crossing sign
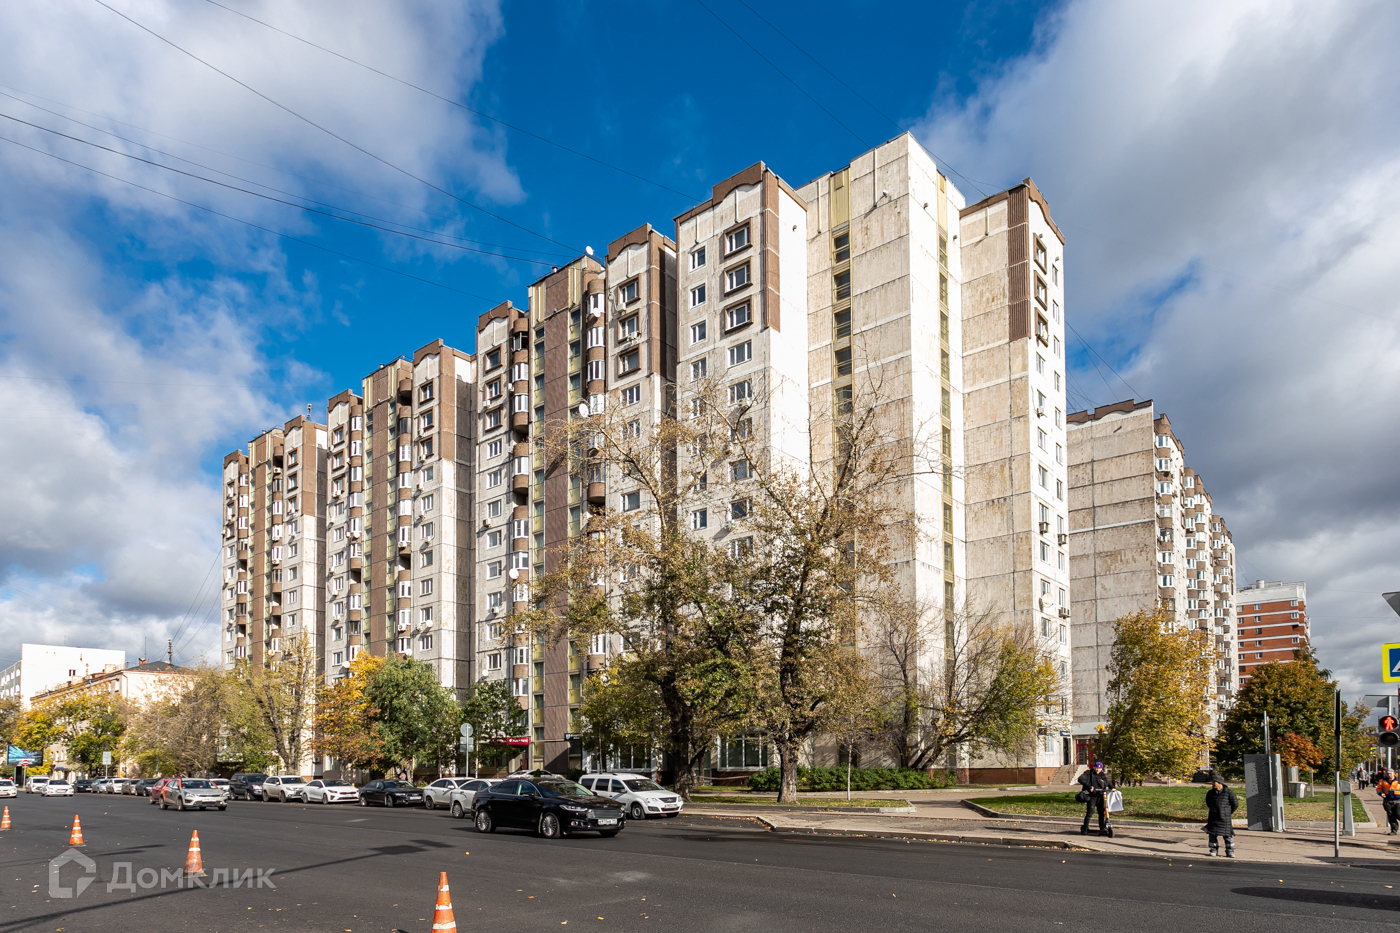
1390 658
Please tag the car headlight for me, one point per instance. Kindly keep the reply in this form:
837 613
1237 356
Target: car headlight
573 809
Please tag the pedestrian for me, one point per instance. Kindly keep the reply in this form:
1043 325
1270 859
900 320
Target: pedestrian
1221 804
1095 784
1388 788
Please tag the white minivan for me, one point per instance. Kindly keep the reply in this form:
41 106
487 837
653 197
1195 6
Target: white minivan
639 795
35 785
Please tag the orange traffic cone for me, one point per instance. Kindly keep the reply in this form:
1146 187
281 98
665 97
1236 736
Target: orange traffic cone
5 820
443 921
194 865
75 838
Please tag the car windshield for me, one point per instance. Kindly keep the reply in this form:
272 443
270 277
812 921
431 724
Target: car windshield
643 784
196 784
398 785
255 777
292 780
337 784
58 783
563 789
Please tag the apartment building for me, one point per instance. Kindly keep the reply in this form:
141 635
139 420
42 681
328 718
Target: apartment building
1273 623
346 519
1015 443
274 543
44 667
1143 534
415 579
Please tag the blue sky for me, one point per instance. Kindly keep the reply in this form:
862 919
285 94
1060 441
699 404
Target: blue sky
1224 173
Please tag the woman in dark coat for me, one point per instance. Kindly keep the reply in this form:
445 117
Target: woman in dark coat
1221 804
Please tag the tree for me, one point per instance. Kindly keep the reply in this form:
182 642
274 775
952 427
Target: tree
1299 698
415 717
183 729
273 703
622 708
1158 710
345 726
10 709
99 720
990 689
494 715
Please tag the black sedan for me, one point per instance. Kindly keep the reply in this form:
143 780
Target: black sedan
143 787
391 794
82 787
552 807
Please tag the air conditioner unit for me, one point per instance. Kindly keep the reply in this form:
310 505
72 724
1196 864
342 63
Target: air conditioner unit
1045 528
1064 613
1062 538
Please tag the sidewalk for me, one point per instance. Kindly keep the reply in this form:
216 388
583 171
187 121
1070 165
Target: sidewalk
945 819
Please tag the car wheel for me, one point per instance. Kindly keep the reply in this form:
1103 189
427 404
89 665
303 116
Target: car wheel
162 803
457 811
324 800
223 806
429 803
549 826
180 804
363 802
638 813
484 823
608 833
388 800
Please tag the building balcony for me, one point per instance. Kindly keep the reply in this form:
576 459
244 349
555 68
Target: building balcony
520 482
520 421
597 493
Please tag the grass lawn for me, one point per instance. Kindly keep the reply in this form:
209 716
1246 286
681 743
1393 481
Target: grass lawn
768 800
1163 804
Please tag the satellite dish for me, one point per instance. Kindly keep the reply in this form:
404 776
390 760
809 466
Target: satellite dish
588 250
583 411
514 574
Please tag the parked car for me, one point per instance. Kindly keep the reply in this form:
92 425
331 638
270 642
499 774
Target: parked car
142 788
57 789
439 793
82 786
283 788
118 785
189 793
222 784
552 808
7 788
35 785
638 794
536 775
391 794
157 790
246 784
464 794
331 791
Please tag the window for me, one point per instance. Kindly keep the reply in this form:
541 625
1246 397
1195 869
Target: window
738 509
1059 489
741 353
697 258
495 601
493 419
493 661
595 336
1055 305
1044 552
628 292
632 429
697 332
737 316
425 587
493 569
699 519
425 421
629 362
841 283
697 296
736 239
1042 294
337 658
631 501
338 437
736 278
740 547
493 358
840 248
1040 364
1056 344
494 539
1042 439
631 395
493 449
425 392
1166 579
740 470
1040 255
697 369
1043 475
494 478
1059 454
741 391
627 329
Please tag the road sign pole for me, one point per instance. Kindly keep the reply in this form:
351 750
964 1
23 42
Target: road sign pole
1337 776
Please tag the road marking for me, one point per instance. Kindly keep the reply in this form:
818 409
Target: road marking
360 820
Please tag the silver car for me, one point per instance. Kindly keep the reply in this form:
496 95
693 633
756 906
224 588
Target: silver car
463 795
283 788
437 794
191 793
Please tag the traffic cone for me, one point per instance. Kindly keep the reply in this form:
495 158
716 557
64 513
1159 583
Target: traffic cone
75 838
5 820
194 865
443 921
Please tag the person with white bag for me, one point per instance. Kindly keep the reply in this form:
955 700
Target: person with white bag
1095 785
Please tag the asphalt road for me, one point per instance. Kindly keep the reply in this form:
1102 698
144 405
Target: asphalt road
347 868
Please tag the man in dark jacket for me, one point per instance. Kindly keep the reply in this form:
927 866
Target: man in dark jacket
1096 784
1221 804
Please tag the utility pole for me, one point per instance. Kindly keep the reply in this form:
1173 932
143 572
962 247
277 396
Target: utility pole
1337 776
170 652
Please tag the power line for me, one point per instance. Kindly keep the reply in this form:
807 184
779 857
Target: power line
179 630
268 197
1096 353
448 100
780 71
331 133
247 223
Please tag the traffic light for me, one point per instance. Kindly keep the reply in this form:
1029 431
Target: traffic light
1387 736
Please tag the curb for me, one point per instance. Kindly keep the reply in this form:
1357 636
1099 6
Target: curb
1128 821
1028 842
792 808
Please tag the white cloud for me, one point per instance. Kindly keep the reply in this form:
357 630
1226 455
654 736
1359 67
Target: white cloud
127 367
1225 174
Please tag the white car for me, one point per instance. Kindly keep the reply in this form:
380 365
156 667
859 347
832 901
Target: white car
322 790
639 795
283 788
57 789
222 784
191 793
35 785
462 796
7 788
115 785
438 793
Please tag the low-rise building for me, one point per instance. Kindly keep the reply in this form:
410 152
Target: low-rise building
43 667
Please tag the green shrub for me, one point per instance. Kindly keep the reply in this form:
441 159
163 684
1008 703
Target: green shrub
833 779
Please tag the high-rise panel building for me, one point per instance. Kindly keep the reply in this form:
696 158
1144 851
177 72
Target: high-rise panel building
274 544
1273 623
1143 535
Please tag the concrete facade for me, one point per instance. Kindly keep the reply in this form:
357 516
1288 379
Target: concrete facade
41 668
